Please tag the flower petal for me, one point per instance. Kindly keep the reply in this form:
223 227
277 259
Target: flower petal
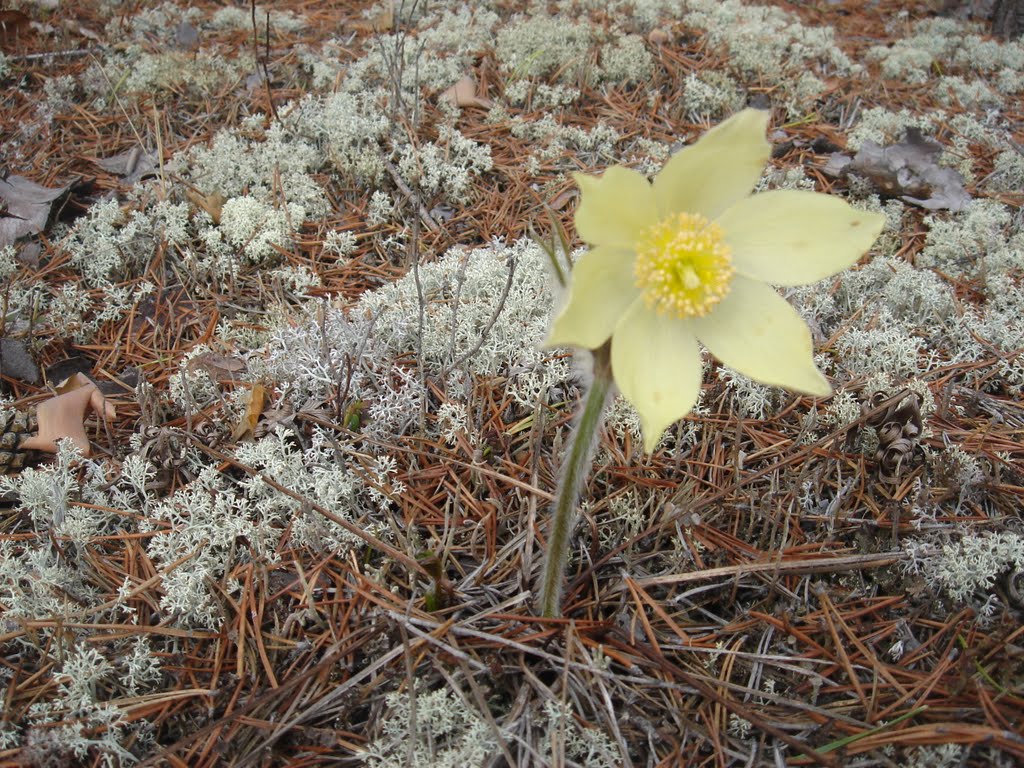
615 207
656 365
601 289
793 237
756 332
721 168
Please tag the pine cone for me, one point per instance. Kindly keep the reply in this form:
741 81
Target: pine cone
15 426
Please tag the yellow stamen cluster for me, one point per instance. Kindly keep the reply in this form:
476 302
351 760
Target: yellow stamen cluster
683 266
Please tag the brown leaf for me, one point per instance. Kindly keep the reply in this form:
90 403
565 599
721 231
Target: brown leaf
658 37
212 203
64 416
463 94
71 383
563 198
246 426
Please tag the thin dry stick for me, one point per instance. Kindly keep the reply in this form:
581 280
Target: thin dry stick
421 310
489 325
263 60
425 216
815 565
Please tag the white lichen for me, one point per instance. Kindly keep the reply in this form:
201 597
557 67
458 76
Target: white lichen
967 563
543 46
437 730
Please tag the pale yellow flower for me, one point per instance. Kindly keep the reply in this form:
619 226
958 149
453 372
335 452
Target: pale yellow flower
689 258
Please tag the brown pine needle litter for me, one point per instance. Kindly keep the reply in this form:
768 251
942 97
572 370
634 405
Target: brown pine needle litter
300 269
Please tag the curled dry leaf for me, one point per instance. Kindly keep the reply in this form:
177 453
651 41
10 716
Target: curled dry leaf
1014 586
463 94
907 170
64 416
898 423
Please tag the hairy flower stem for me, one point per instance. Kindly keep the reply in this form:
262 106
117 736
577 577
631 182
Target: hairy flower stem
574 471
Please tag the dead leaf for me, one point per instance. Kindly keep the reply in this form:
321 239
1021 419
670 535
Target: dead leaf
134 164
217 367
255 80
186 36
30 255
16 362
563 198
65 369
211 203
442 213
907 170
74 27
28 207
463 94
43 29
64 416
658 37
897 422
246 426
71 383
273 417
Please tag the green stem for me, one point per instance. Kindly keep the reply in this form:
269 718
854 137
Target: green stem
574 472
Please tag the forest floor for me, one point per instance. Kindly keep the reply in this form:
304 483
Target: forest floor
300 268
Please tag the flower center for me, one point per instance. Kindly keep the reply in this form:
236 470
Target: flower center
683 266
